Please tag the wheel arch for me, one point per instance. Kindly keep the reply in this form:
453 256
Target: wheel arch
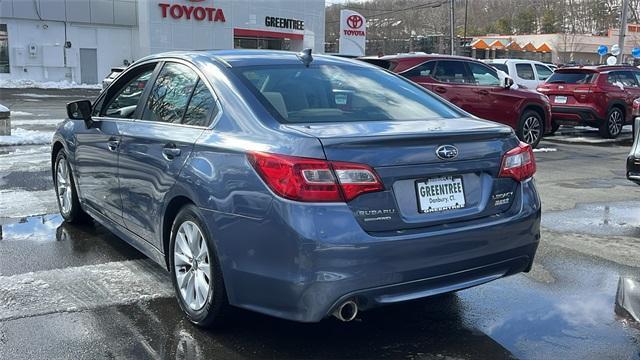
170 213
55 149
539 110
620 105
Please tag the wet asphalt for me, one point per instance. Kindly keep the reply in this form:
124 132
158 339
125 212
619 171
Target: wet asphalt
563 309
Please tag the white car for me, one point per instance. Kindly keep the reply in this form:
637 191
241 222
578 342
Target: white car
527 74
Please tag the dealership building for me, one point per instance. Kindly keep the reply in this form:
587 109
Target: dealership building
81 40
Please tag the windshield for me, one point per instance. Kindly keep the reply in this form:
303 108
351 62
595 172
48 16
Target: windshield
574 77
327 93
502 67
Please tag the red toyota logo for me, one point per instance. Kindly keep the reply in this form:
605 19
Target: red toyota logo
355 21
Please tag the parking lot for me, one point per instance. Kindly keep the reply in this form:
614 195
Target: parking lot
66 287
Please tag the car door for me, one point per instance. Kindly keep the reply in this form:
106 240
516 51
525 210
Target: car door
98 146
495 102
421 74
525 75
154 149
543 72
453 82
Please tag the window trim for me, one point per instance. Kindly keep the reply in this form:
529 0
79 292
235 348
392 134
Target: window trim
159 64
535 67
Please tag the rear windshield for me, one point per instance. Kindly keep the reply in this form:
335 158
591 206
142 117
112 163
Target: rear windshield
571 77
385 64
327 93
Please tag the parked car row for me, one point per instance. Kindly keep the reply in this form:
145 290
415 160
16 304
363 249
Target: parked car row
543 100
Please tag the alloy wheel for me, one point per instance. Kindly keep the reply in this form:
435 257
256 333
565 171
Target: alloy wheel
63 183
192 265
531 129
615 123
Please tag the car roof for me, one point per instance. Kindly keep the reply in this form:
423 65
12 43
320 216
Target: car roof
504 61
421 56
598 68
238 58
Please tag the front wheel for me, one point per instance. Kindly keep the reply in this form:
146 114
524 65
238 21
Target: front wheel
612 127
195 270
66 194
530 128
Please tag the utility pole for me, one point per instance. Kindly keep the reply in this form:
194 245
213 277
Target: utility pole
623 29
466 7
452 30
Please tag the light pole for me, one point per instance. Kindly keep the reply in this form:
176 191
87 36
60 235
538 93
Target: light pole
623 29
451 26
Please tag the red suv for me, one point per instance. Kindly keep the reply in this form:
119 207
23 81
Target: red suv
596 96
476 88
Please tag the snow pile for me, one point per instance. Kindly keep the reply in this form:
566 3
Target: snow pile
3 108
24 83
20 113
544 150
21 136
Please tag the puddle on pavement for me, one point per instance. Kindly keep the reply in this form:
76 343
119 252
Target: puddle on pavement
606 219
598 183
34 228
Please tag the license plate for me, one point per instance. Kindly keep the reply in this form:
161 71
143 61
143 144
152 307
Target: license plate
440 194
561 100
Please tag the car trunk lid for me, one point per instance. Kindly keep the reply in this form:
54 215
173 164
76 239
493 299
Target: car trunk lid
419 184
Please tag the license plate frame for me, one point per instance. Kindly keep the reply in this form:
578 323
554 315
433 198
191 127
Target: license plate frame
560 99
454 201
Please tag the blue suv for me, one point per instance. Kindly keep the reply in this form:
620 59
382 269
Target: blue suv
296 185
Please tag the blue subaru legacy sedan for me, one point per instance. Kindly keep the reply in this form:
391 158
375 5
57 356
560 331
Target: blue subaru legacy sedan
296 185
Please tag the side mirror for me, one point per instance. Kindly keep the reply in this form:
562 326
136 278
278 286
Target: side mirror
80 110
505 80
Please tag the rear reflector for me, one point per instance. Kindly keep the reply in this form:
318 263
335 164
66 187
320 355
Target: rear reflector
314 180
518 163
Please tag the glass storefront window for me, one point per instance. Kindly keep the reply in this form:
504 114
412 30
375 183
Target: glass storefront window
4 49
261 43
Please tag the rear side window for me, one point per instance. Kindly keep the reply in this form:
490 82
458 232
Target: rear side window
525 72
625 78
571 77
421 70
201 106
170 94
453 72
543 72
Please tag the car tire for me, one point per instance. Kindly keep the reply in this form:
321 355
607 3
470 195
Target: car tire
66 194
530 128
197 280
612 126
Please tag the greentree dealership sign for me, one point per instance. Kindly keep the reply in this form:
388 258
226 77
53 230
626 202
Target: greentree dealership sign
192 12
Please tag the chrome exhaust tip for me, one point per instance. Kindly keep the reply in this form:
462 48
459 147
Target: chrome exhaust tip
347 311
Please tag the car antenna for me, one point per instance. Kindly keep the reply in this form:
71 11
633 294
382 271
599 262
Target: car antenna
305 57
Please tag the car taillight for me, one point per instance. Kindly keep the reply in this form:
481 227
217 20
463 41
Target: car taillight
635 108
518 163
314 180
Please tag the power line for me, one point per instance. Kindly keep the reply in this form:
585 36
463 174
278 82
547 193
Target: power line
434 4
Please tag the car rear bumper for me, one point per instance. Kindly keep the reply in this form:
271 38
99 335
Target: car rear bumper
572 115
314 257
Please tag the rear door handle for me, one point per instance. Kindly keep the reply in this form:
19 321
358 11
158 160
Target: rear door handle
113 144
440 89
483 92
170 151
